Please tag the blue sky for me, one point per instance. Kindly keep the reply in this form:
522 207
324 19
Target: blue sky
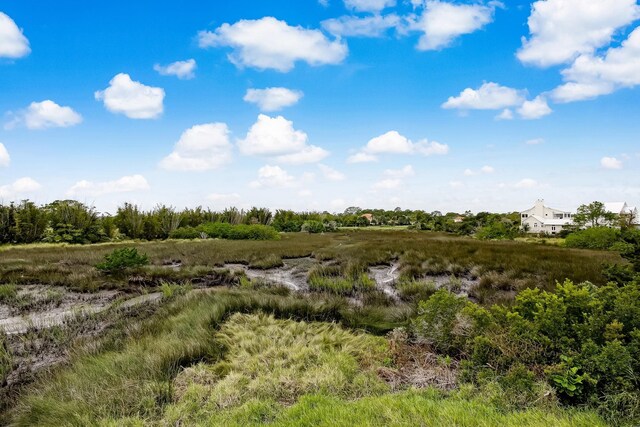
423 104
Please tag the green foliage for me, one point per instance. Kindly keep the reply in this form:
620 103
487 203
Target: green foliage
594 238
440 322
186 233
121 260
594 214
498 229
8 292
312 227
585 338
73 222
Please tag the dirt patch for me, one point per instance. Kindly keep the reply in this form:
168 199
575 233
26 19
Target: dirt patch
293 274
385 277
416 365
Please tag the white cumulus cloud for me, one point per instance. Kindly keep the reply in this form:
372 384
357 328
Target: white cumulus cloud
126 184
611 163
45 114
5 159
489 96
269 43
273 176
387 184
13 43
183 70
535 109
591 75
442 22
19 187
131 98
393 142
273 98
560 30
200 148
276 137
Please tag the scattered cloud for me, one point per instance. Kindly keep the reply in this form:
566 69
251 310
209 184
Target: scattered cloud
394 143
184 70
535 109
131 98
560 30
405 172
126 184
268 43
5 159
276 137
13 43
366 26
387 184
362 158
273 176
369 5
506 114
535 141
526 183
487 169
442 22
591 75
19 188
330 173
483 170
490 96
45 114
200 148
611 163
456 184
273 98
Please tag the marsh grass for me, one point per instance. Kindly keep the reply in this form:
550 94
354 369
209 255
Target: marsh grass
420 254
277 360
133 376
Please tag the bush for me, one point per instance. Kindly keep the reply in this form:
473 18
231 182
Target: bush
219 230
312 227
121 260
186 233
593 238
440 321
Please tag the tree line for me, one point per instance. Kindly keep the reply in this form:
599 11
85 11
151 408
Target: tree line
70 221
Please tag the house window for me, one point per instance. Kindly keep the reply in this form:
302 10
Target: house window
553 228
535 225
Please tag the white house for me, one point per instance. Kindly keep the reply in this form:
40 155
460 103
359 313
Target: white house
543 219
622 209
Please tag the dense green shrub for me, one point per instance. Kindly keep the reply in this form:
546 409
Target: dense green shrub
219 230
122 259
186 233
593 238
312 227
582 339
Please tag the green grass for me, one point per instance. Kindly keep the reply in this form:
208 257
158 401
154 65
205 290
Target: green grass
198 363
133 377
277 360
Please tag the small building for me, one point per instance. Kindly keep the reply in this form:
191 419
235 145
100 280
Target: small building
459 219
623 210
368 217
543 219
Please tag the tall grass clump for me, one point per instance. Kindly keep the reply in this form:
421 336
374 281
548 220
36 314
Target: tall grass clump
335 279
277 361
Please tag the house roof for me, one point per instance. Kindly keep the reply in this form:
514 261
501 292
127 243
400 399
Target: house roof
615 207
552 221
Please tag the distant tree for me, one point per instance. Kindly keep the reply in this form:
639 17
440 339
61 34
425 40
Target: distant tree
594 214
30 222
352 210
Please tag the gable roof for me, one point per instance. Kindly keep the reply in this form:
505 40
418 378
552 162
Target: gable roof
615 207
552 221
